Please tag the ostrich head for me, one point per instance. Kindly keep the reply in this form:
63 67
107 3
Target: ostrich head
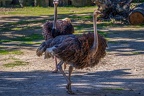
55 2
96 13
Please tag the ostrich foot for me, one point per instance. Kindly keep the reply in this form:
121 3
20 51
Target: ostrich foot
55 71
69 91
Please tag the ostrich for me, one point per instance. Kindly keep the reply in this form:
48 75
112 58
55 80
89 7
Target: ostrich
51 29
78 51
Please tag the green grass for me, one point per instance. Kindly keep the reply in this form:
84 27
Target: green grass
31 37
15 63
9 58
118 89
103 33
36 12
21 25
3 40
39 11
81 17
113 42
135 53
6 52
25 39
29 43
76 14
106 24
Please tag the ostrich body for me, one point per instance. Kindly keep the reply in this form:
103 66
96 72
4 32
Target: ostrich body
78 51
63 27
51 29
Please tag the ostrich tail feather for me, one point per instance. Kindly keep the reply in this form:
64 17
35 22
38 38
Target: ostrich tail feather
46 55
39 52
41 49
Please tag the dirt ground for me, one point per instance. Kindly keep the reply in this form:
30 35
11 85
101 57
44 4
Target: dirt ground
120 73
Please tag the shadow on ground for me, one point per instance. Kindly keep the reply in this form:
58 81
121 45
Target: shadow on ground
43 83
13 27
126 42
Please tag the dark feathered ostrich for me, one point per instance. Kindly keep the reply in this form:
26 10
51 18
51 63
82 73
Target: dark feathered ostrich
51 29
78 51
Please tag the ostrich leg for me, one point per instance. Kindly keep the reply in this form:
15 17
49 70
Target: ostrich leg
69 83
64 66
56 69
67 78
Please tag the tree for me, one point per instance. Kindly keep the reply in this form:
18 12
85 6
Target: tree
35 2
21 3
17 2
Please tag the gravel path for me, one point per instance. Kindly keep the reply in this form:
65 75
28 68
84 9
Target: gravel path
121 73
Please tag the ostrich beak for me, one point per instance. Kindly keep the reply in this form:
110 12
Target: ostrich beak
97 11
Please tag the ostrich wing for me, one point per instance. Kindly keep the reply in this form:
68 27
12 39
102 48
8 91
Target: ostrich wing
63 47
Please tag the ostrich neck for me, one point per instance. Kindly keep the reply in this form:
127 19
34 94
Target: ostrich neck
95 43
55 16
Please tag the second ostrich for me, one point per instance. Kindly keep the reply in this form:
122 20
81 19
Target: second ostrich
78 51
51 29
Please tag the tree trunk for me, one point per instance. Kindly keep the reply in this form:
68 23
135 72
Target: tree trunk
62 3
17 2
35 3
114 9
81 2
136 16
21 3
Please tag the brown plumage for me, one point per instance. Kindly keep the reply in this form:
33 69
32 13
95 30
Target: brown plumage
75 49
78 51
63 27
